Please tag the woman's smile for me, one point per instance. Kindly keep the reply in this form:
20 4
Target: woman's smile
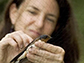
34 32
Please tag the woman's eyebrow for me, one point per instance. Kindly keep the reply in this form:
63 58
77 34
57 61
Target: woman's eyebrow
52 15
34 8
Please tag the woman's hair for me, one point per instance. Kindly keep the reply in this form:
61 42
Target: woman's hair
64 36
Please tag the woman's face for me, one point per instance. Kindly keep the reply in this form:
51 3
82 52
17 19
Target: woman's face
36 17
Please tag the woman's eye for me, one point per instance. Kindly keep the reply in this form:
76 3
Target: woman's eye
51 20
33 12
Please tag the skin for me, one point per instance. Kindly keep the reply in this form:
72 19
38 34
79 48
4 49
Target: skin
38 17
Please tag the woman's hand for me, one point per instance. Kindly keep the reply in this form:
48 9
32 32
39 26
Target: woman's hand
46 54
12 44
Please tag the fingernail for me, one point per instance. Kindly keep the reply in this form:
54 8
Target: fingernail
27 55
37 43
30 49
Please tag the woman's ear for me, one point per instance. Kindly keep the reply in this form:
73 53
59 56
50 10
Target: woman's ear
13 12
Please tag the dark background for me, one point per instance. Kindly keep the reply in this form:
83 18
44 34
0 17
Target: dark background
78 9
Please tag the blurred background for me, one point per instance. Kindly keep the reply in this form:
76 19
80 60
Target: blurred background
78 9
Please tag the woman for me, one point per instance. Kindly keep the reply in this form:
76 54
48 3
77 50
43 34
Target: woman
27 19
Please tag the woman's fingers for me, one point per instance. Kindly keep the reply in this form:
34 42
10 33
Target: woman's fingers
37 59
8 42
26 38
50 48
20 38
17 38
46 54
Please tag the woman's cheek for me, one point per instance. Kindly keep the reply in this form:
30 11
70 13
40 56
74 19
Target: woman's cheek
49 29
26 19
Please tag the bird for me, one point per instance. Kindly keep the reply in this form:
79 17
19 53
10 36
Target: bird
21 57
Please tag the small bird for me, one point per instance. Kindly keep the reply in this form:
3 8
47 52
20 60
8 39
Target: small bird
21 57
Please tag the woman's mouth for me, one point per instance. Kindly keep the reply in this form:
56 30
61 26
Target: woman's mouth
36 33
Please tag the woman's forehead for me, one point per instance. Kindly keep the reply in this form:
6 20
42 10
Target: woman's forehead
43 2
48 5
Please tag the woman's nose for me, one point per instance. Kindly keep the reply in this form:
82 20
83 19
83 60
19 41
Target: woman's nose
39 21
